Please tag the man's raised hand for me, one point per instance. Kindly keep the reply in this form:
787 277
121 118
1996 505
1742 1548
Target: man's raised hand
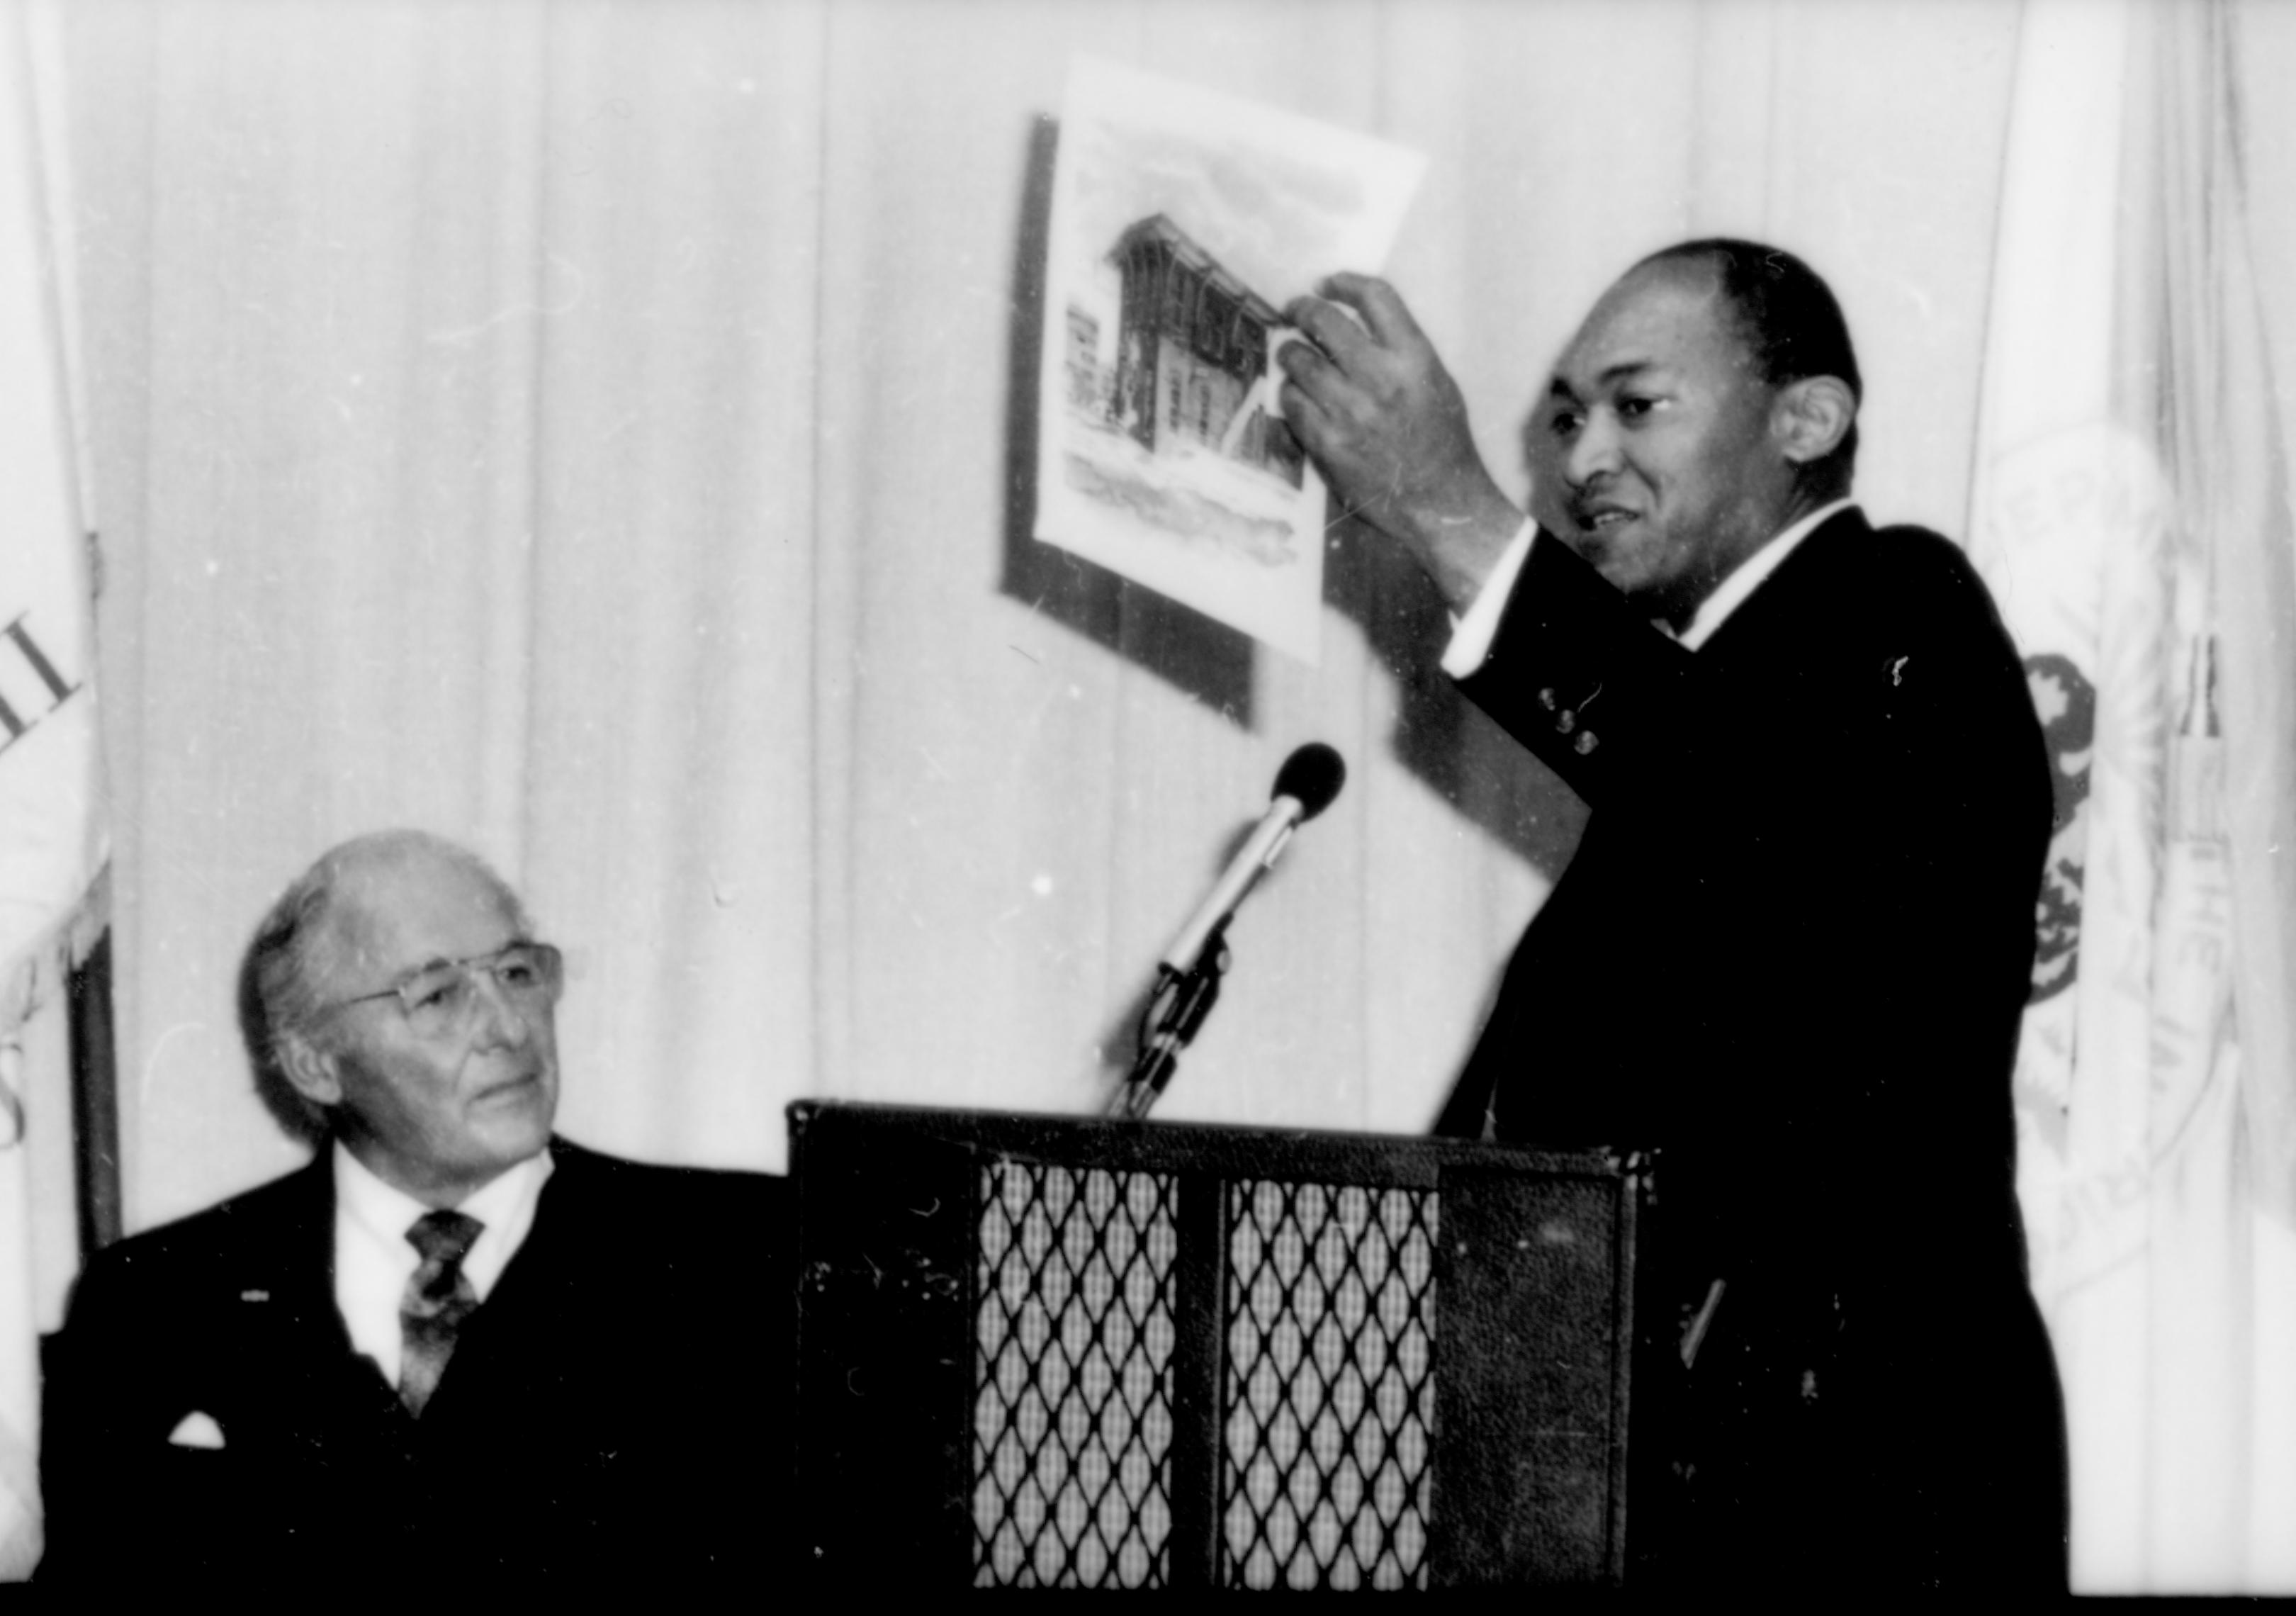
1383 418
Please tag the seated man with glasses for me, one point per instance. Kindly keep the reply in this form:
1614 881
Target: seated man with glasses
453 1347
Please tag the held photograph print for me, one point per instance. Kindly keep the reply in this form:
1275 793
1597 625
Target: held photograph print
1183 221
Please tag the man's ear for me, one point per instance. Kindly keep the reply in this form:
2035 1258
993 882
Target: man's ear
1811 416
310 1069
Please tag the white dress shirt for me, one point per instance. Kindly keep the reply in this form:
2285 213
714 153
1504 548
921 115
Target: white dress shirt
1471 637
373 1261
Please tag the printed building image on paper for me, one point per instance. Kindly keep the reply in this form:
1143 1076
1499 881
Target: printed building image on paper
1174 400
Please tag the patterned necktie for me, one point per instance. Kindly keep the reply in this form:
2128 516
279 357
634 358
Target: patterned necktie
439 1298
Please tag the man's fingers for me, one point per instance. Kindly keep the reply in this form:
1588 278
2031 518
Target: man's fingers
1329 326
1310 421
1384 314
1311 374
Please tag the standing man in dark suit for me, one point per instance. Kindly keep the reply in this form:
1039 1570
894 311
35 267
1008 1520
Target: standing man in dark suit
1792 951
454 1348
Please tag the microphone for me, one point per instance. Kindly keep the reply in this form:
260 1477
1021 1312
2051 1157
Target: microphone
1187 975
1305 786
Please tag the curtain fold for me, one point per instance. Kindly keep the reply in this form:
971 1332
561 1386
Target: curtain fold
669 721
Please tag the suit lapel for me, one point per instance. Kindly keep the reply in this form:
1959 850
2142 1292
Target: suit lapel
548 1258
1808 582
532 1314
288 1267
283 1361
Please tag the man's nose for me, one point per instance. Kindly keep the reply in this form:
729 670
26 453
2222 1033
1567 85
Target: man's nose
1594 452
501 1024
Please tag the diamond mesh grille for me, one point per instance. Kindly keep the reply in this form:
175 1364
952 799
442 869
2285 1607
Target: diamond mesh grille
1072 1420
1331 1391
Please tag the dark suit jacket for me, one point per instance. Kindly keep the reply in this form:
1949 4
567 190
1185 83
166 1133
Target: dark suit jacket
1790 954
612 1411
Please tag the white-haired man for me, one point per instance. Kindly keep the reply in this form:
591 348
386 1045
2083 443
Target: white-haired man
453 1347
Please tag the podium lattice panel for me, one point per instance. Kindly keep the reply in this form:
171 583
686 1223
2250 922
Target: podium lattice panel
1072 1424
1039 1351
1330 1398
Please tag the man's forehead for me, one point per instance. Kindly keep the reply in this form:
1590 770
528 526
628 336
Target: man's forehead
407 907
1669 314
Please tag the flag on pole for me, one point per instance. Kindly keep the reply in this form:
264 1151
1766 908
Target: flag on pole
2067 524
2127 450
52 836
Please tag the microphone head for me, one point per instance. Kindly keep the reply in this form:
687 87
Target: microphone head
1311 777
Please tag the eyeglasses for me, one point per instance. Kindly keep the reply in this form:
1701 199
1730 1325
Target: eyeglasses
443 997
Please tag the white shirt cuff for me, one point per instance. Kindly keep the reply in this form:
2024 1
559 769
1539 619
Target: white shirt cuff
1471 634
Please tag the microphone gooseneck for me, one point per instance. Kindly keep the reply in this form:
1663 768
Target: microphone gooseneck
1188 973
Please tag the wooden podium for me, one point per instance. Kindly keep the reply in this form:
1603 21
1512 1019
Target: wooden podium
1039 1352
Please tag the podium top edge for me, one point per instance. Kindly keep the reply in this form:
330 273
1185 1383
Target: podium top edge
1403 1160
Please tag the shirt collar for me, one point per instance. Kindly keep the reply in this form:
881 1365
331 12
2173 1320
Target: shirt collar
1733 591
373 1259
381 1209
386 1212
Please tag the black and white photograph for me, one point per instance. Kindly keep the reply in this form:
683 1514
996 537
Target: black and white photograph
1182 222
862 798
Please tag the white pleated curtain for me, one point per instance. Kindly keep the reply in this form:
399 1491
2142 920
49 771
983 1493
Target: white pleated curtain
589 430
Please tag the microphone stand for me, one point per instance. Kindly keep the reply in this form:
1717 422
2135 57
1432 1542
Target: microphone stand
1174 1011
